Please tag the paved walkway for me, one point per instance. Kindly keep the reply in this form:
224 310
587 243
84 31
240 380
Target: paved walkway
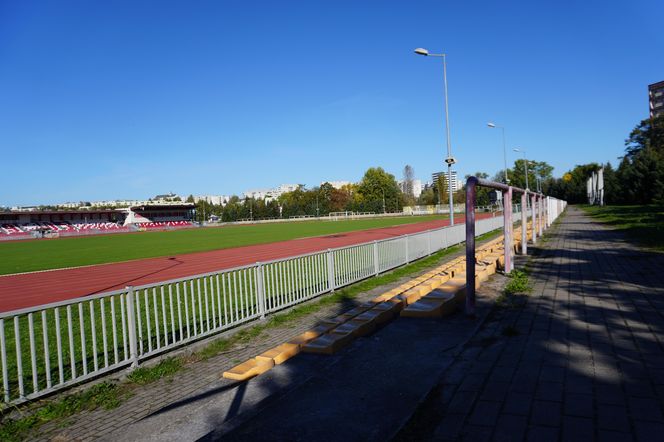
587 361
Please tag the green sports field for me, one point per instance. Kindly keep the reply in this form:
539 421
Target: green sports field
27 256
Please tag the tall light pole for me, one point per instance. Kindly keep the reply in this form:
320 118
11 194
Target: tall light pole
383 190
525 164
493 126
450 159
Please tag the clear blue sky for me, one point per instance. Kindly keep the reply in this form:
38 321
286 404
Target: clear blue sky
127 99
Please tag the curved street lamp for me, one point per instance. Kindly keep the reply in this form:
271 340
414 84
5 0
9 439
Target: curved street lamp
493 126
450 159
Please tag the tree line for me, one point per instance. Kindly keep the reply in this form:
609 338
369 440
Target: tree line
377 192
639 178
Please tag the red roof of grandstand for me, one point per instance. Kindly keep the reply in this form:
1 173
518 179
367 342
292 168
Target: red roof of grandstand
164 206
58 212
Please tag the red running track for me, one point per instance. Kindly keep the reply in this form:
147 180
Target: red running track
32 289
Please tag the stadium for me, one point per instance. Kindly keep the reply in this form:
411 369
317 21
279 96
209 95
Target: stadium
30 224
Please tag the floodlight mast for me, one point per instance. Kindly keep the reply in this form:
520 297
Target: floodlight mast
450 160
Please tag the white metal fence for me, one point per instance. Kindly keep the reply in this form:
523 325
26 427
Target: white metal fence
50 347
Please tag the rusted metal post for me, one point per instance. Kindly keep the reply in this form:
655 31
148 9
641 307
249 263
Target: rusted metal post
524 223
470 245
507 228
533 217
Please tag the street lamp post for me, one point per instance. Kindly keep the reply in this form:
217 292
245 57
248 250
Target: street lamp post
525 164
493 126
450 159
383 190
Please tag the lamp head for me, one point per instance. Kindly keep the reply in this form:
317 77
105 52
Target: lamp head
491 124
516 150
421 51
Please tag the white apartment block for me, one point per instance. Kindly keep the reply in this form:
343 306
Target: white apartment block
284 188
270 194
456 184
337 184
417 187
217 200
257 194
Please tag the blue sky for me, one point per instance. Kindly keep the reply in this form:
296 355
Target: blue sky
127 99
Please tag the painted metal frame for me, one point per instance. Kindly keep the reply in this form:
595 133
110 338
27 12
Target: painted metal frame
544 210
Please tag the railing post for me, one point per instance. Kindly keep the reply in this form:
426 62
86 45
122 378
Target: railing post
541 211
524 223
131 326
260 289
470 246
507 229
407 238
428 242
330 270
375 255
533 216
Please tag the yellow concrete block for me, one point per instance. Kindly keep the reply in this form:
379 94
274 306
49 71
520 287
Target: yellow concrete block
387 307
427 308
440 280
491 259
482 274
455 287
309 335
440 295
377 315
398 303
280 353
413 295
423 309
328 343
356 327
387 295
248 369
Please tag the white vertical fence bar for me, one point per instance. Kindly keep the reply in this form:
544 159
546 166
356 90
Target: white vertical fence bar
147 322
3 360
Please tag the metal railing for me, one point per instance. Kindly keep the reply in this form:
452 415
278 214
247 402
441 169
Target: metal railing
51 347
543 211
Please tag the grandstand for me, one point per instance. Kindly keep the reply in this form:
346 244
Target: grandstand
56 223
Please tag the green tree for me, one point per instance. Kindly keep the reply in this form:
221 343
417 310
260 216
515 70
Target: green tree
536 169
428 197
641 171
378 191
441 189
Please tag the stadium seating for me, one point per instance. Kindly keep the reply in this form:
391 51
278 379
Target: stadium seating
59 226
13 230
164 224
97 226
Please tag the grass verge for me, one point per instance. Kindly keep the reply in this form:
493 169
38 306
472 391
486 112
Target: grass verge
644 224
110 395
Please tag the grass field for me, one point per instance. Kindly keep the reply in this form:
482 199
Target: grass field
645 224
27 256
